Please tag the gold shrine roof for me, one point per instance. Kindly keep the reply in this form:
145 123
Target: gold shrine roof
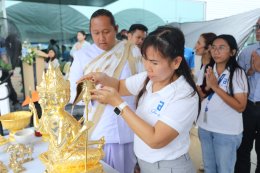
53 81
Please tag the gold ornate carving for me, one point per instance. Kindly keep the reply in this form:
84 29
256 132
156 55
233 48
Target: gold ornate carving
69 150
3 168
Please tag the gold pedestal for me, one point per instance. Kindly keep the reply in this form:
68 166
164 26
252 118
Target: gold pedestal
75 164
15 121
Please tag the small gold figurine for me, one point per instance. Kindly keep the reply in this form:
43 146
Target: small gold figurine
19 154
67 139
3 168
14 164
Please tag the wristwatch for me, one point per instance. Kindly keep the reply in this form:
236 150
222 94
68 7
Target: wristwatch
118 109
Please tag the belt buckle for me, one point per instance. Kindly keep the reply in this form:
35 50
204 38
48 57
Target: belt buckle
256 103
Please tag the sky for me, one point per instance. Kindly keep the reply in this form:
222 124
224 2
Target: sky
214 8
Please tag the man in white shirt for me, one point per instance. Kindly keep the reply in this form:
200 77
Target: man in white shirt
137 34
117 59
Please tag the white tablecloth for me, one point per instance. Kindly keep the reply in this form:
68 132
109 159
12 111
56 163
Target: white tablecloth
36 166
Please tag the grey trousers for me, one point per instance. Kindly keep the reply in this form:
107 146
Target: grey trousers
183 164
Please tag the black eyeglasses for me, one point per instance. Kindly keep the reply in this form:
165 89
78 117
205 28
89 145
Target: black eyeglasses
256 27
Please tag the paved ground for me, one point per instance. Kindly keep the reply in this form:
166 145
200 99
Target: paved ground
195 152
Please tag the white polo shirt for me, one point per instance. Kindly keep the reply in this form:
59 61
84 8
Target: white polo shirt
174 105
110 126
221 118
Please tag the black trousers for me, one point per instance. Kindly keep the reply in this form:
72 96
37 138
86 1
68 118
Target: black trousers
251 133
13 95
1 129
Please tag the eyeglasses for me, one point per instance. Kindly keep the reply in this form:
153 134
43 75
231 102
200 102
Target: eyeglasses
256 27
220 49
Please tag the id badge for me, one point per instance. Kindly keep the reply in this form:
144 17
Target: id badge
205 118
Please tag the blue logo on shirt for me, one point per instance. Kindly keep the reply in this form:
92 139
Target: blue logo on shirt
225 81
158 108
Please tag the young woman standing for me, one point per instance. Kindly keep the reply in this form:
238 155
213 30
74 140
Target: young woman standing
220 121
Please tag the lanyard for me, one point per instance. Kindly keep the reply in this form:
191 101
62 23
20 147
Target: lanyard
210 97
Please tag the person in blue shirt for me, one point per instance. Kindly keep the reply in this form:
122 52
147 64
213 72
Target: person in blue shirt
249 60
189 57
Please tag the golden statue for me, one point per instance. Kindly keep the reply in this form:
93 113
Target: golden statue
3 168
69 150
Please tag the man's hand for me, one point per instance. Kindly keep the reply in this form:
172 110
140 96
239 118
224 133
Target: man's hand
255 60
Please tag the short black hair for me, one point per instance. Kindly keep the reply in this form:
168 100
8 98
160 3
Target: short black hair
135 27
82 32
103 12
53 42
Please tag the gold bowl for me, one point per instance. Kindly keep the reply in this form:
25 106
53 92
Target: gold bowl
15 121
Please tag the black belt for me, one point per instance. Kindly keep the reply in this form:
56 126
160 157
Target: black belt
254 103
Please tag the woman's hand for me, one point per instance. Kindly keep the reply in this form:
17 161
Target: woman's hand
106 95
211 79
78 46
95 77
201 93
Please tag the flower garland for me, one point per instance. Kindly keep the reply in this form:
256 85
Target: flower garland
28 53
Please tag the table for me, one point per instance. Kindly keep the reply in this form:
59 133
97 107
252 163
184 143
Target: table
36 164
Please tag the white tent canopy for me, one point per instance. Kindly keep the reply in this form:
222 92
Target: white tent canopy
39 22
128 17
240 26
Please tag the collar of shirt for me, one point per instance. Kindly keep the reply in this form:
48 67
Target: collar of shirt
166 90
225 72
223 82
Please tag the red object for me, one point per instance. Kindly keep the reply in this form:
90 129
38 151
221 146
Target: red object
37 134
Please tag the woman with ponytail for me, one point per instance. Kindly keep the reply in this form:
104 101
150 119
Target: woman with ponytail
167 103
202 48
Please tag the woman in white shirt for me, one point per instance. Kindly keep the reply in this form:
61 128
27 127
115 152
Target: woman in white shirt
50 57
81 43
220 120
202 48
167 103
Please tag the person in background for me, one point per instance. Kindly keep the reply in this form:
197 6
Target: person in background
53 44
7 72
13 48
202 48
65 54
220 120
249 60
50 57
136 34
81 43
167 103
119 59
122 35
